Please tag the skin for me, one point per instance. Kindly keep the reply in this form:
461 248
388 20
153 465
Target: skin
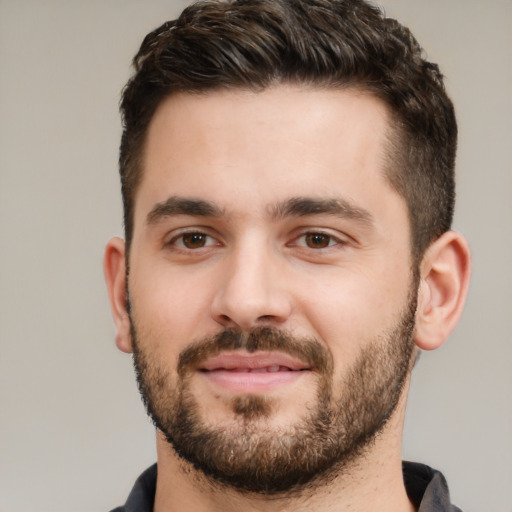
244 153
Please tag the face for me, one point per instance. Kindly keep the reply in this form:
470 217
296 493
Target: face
271 298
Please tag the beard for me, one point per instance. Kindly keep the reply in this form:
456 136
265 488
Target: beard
249 455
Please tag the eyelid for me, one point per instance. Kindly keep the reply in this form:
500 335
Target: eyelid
178 234
339 240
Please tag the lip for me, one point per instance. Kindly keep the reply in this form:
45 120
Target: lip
252 361
243 372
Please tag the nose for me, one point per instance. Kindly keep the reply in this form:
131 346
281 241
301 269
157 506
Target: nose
252 291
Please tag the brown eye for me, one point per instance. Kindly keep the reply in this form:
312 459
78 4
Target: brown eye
317 240
194 240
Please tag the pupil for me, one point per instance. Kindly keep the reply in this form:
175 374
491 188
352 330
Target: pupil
194 240
317 240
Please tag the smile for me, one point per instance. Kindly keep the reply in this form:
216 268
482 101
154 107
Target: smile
252 373
267 369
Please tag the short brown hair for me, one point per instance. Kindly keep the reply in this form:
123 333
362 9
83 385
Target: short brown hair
254 44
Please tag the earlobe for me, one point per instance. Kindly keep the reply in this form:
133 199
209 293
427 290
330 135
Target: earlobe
114 268
444 280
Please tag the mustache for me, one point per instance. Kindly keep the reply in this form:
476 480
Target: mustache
268 339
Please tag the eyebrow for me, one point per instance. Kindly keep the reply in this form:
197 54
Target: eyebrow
293 207
305 206
175 205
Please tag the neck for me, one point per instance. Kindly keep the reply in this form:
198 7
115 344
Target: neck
373 482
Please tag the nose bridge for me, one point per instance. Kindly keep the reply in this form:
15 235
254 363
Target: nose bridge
250 290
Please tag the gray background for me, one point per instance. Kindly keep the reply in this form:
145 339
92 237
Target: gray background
73 434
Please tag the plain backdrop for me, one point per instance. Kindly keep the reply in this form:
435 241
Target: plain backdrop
73 433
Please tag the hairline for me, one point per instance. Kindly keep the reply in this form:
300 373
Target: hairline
394 139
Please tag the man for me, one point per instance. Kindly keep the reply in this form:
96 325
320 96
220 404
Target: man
287 178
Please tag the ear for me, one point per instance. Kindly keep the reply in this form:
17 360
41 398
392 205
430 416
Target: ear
114 268
444 279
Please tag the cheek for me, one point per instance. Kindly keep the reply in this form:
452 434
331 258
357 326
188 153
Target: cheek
171 306
350 309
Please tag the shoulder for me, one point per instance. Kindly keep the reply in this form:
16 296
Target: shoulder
142 495
427 488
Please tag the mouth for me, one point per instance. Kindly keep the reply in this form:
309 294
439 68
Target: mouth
252 372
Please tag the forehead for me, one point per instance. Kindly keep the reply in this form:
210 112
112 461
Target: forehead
236 146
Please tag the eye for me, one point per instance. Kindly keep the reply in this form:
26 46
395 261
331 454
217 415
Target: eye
317 240
193 240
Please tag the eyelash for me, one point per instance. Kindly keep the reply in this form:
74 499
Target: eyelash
309 236
178 242
175 241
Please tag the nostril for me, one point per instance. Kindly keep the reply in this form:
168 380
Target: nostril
231 308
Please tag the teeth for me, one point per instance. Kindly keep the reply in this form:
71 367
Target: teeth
273 368
259 370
